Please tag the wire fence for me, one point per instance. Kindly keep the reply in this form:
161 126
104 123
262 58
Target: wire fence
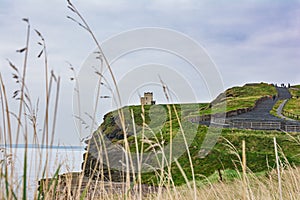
291 115
292 128
256 125
266 125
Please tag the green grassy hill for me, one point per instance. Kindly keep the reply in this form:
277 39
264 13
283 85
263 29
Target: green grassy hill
224 157
293 105
239 97
235 98
259 152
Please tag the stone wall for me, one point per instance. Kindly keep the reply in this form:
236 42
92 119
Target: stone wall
231 113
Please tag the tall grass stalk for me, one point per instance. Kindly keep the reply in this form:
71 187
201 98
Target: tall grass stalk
188 152
26 124
5 109
139 166
278 169
244 166
86 27
21 110
26 49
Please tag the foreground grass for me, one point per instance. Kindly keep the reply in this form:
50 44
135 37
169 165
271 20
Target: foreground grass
263 187
260 154
243 186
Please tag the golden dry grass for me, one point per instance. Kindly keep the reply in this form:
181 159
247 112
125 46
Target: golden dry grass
262 187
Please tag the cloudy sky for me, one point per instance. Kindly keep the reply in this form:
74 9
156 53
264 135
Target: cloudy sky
248 40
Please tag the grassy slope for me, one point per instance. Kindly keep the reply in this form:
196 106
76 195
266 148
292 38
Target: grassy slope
246 96
260 153
236 98
259 143
241 97
293 105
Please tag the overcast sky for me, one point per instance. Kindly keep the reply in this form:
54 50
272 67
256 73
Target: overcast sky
248 40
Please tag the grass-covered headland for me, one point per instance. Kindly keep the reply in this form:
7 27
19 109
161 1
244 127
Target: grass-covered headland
223 157
223 164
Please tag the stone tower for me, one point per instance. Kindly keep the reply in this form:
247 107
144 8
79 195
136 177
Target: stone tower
147 99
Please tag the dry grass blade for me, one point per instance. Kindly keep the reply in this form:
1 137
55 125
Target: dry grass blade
55 110
12 66
26 20
7 111
244 166
21 50
278 169
23 78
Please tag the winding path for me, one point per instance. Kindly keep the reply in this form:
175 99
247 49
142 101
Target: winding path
260 117
279 111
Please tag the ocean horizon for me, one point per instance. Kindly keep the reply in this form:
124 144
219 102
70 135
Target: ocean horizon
65 158
42 146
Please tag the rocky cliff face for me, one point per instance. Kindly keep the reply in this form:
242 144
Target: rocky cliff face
105 158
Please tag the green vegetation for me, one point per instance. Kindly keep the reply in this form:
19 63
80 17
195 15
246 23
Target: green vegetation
157 117
292 107
239 97
160 120
223 157
275 107
295 91
259 148
246 96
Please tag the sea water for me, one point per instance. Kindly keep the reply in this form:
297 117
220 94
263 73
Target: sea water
66 159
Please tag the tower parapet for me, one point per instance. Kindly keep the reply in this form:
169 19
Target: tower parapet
147 99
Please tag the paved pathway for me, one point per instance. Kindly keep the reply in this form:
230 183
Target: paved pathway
260 117
280 108
279 111
262 110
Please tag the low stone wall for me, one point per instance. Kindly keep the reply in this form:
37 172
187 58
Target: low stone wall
231 113
256 125
72 185
291 128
